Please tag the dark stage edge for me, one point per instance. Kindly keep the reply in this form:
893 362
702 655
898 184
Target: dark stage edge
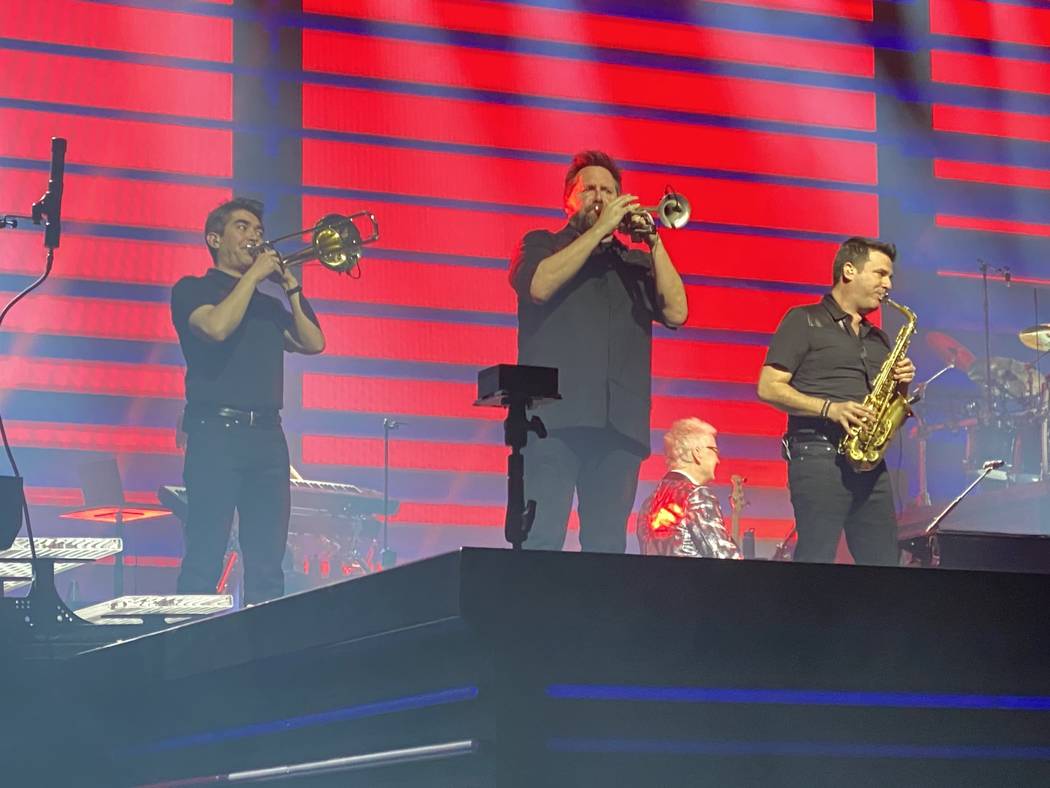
493 668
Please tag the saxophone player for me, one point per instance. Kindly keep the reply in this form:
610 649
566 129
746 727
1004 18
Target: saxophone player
819 368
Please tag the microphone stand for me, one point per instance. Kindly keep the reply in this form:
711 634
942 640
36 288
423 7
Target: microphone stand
924 546
387 557
987 341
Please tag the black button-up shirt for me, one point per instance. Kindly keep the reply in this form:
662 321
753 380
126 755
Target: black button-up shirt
245 371
596 329
816 344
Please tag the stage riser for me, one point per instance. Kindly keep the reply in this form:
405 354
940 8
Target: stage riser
601 667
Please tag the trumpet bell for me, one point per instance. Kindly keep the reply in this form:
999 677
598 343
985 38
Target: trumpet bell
673 211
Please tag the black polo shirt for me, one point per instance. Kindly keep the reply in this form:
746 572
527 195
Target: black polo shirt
246 371
816 344
596 329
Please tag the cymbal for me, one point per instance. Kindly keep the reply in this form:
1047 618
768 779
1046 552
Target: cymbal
950 350
1010 378
1036 337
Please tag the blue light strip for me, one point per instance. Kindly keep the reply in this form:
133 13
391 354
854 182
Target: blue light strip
803 749
409 703
797 697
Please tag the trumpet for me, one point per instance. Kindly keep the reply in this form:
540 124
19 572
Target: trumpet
673 212
336 243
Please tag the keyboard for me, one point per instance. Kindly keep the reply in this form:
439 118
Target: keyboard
309 498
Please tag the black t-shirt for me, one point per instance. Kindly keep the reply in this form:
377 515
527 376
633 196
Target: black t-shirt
246 371
596 329
816 344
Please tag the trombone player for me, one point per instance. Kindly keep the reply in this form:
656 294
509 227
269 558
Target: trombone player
586 305
233 338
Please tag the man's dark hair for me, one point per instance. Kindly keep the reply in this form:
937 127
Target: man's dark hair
217 219
590 158
855 250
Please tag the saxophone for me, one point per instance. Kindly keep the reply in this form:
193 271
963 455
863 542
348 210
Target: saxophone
865 446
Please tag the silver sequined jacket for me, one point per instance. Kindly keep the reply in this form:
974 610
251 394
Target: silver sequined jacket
684 519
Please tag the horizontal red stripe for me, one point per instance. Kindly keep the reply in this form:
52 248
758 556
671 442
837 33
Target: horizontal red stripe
482 346
127 144
394 396
409 397
614 32
707 361
999 174
93 317
488 290
985 71
444 514
497 234
739 256
92 377
564 132
74 496
379 168
1013 23
452 231
487 458
472 288
85 82
728 417
118 201
733 309
427 285
121 28
152 561
991 123
581 80
85 437
419 340
980 224
107 259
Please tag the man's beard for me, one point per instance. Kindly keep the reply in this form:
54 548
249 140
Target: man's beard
584 219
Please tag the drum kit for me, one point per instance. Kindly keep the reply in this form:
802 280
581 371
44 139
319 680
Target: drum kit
1001 404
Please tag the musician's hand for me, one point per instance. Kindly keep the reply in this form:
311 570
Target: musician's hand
612 214
266 265
288 280
904 371
849 415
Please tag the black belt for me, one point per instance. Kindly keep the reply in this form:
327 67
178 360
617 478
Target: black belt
268 417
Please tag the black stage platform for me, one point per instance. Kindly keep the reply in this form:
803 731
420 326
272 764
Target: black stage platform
493 668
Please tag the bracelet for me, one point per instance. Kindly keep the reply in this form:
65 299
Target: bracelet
825 408
293 291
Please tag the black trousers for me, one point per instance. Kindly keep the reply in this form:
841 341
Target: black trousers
829 497
601 466
231 467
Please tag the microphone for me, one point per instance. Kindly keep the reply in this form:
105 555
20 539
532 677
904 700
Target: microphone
1006 276
50 205
391 424
991 465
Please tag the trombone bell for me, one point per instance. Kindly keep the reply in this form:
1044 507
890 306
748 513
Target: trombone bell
336 243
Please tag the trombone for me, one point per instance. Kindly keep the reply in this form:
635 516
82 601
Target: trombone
336 243
672 211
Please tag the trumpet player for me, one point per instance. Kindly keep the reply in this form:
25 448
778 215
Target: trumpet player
586 305
233 338
819 368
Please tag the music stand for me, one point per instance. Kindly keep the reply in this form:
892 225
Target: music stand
104 503
517 388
